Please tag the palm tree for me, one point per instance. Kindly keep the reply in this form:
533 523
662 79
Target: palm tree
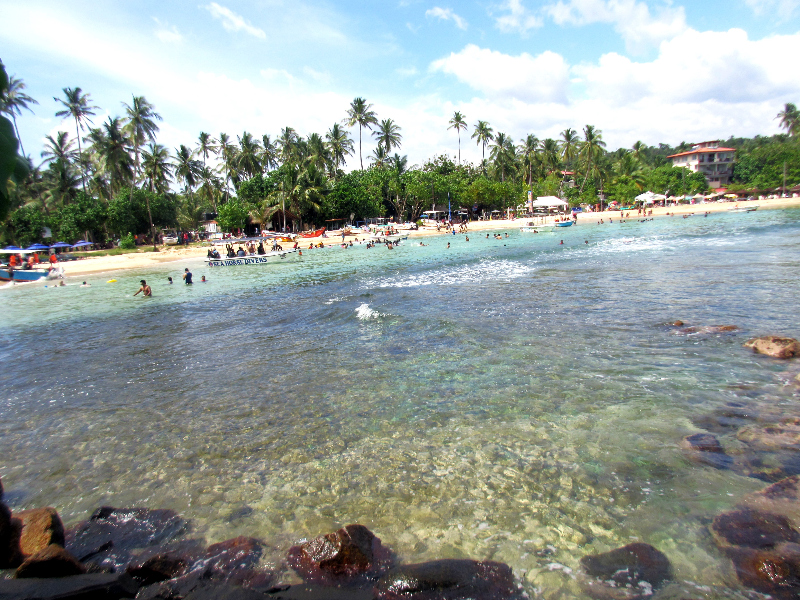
591 150
13 101
379 157
114 153
205 146
790 119
528 149
288 143
503 154
360 112
339 146
156 167
550 155
628 168
77 106
247 161
141 126
269 153
227 152
61 148
458 123
318 152
569 146
638 151
483 134
187 168
388 135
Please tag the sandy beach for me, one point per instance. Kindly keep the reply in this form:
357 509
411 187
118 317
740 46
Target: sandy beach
103 264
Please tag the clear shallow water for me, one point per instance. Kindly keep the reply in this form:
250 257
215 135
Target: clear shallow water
515 400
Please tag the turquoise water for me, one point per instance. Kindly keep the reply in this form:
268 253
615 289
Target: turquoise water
517 399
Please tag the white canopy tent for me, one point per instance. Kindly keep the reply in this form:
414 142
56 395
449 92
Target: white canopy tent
548 202
650 198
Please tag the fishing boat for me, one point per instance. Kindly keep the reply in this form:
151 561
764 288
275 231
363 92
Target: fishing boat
312 234
25 275
564 224
250 259
744 209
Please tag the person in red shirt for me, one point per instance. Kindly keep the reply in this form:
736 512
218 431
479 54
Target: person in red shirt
53 258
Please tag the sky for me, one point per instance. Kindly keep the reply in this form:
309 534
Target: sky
659 71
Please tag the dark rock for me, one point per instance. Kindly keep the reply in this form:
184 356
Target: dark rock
774 346
783 435
318 592
752 529
449 579
77 587
198 588
678 323
626 573
52 561
40 528
760 465
157 567
704 448
775 572
237 553
781 498
348 556
110 536
709 329
10 555
1 488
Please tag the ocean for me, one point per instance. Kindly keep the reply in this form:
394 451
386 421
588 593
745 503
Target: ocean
513 399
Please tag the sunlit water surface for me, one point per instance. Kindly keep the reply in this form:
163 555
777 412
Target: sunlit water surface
517 399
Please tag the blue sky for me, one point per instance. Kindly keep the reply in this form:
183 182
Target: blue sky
656 71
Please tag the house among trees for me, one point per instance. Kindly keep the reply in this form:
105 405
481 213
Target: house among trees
710 159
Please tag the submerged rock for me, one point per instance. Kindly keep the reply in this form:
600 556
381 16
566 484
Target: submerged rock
708 329
52 561
628 573
704 448
350 555
775 346
110 536
752 529
449 579
77 587
10 555
41 527
775 571
783 435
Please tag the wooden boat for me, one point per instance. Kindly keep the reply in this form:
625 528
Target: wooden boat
28 275
744 209
312 234
250 259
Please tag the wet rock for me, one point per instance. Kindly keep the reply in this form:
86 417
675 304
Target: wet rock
784 435
157 567
704 448
318 592
77 587
41 527
781 498
775 346
198 589
775 571
752 529
10 555
760 465
110 536
1 488
628 573
447 579
348 556
708 329
678 323
52 561
237 553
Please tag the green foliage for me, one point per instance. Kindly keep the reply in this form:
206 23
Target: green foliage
354 193
128 212
82 215
127 242
12 166
27 224
232 215
762 167
677 180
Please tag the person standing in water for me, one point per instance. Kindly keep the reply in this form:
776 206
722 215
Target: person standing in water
145 289
187 276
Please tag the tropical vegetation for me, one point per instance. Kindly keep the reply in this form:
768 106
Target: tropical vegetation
104 181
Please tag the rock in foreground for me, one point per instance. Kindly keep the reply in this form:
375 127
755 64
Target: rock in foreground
448 580
49 562
348 556
628 573
775 346
704 448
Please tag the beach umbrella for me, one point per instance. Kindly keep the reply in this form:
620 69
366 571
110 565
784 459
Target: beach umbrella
81 244
12 249
37 247
60 245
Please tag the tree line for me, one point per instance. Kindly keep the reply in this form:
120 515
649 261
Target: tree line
105 181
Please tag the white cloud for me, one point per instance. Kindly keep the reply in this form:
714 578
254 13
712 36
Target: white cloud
785 9
524 77
446 14
632 19
233 22
517 18
167 34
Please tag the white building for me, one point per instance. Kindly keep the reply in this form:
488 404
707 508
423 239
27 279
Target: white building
708 158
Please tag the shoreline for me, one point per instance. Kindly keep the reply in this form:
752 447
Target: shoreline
105 264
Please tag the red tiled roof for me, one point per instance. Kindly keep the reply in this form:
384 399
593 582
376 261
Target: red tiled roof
703 151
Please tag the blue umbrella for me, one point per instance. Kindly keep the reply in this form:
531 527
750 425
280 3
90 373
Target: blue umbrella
60 245
37 247
82 243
